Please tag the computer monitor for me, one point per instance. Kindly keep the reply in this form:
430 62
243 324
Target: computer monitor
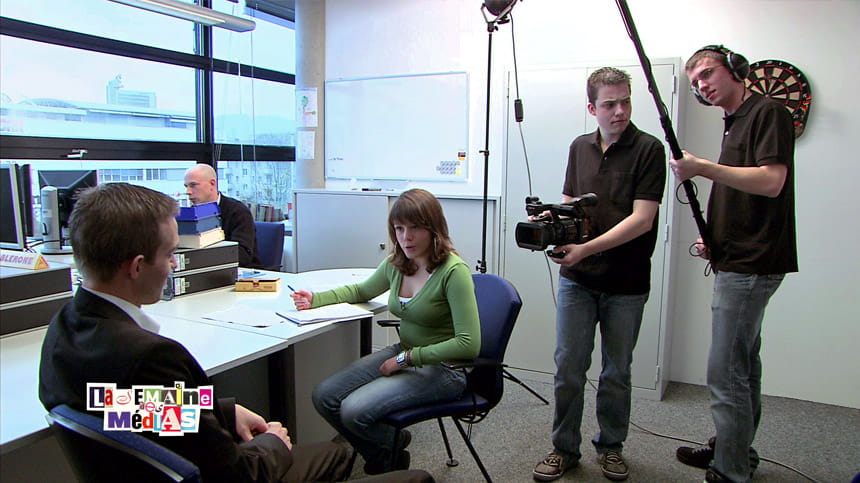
25 197
58 192
12 220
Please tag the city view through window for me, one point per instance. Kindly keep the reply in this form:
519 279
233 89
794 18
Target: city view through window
55 91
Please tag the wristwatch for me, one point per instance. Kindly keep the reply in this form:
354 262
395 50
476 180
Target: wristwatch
401 360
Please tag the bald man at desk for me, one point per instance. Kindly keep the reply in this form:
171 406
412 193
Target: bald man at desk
201 185
124 237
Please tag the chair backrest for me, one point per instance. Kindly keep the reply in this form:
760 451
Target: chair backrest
498 307
99 455
270 244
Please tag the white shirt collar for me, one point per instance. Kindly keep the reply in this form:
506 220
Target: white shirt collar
138 316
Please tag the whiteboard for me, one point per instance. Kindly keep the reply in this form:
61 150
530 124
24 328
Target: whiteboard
413 127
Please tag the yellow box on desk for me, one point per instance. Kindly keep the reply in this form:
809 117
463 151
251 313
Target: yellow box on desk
258 285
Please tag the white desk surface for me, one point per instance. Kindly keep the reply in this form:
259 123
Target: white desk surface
216 349
194 307
217 346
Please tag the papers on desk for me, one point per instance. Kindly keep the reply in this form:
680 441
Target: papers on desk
325 313
245 315
257 317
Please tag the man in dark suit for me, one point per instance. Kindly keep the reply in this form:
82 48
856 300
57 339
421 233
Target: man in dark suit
201 185
123 238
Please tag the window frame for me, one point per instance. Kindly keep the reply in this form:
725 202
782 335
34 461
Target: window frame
33 147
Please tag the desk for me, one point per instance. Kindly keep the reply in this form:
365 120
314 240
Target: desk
216 349
312 352
221 349
194 307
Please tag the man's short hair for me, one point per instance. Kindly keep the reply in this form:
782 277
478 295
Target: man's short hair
605 76
702 54
115 222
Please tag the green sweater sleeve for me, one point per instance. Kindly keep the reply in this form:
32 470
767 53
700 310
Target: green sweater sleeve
374 285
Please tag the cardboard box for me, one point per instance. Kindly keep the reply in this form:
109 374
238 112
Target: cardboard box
258 285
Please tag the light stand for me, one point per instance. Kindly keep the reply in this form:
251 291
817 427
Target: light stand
500 9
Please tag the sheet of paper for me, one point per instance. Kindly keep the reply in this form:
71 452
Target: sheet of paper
322 314
245 315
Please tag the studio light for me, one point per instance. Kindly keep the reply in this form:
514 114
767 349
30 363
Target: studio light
194 13
499 8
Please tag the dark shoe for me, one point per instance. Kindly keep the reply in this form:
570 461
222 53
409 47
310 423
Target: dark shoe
700 457
551 468
404 439
712 476
382 463
403 460
613 466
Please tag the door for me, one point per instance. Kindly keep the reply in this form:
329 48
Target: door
555 113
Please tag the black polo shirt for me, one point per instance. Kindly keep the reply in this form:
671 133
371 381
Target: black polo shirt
633 168
753 233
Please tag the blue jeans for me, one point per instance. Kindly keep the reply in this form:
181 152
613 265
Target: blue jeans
734 367
579 311
355 398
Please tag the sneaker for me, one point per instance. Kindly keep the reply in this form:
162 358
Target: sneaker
702 456
699 457
551 468
613 466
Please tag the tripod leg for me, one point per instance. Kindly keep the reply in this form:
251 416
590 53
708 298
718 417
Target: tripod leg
507 375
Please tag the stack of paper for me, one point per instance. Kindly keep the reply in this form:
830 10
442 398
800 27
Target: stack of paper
257 317
325 313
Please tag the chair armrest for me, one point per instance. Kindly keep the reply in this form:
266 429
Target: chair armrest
388 323
469 364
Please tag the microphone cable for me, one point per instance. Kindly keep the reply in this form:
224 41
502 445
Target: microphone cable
518 117
518 106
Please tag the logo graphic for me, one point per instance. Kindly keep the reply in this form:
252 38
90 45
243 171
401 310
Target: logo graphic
168 411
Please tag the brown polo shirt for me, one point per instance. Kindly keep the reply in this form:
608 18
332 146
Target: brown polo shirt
753 233
631 169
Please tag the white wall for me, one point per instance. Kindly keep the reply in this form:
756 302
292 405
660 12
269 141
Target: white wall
812 327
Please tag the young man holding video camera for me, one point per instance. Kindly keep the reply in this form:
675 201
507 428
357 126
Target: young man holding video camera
606 279
751 247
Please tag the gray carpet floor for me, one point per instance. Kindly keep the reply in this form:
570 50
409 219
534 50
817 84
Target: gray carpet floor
820 440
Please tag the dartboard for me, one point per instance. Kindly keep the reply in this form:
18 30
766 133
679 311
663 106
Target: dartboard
783 82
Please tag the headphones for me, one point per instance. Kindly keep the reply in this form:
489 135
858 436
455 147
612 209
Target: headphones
736 63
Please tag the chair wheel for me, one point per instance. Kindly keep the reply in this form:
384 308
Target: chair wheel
452 463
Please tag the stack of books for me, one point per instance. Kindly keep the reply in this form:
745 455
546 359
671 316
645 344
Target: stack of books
262 212
199 225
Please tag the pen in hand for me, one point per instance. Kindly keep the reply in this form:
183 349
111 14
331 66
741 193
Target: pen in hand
301 298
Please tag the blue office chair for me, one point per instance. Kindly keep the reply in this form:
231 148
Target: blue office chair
270 244
498 307
97 455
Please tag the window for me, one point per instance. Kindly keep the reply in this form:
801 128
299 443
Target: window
83 94
125 89
105 19
253 111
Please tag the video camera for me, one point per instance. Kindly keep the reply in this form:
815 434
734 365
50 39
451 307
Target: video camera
552 229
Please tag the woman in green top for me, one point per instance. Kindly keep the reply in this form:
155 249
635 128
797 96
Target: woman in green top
433 295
